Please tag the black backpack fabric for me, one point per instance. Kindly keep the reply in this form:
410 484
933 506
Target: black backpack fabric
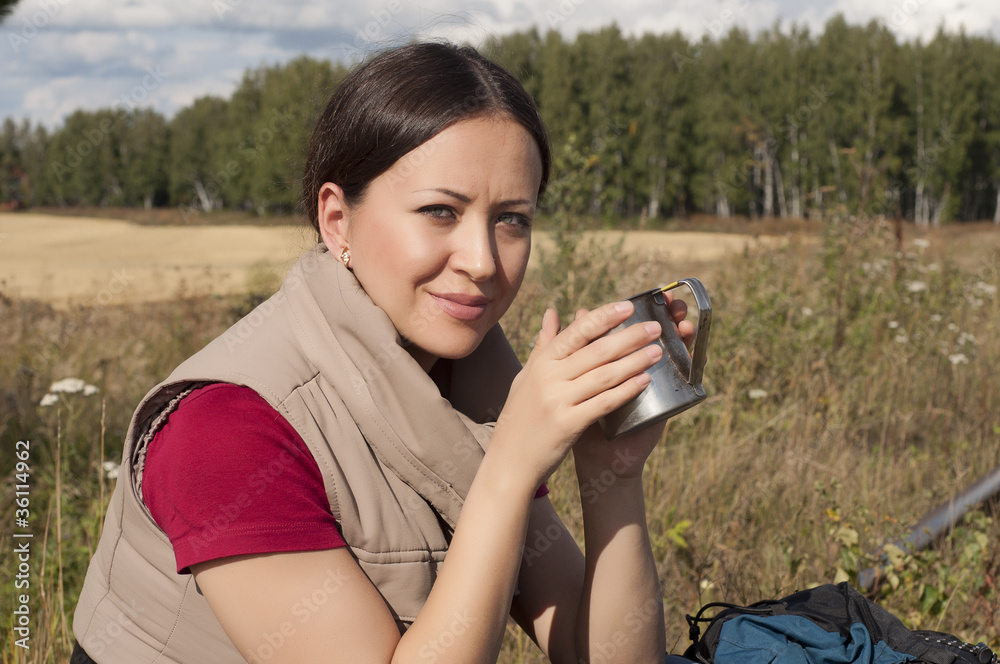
829 624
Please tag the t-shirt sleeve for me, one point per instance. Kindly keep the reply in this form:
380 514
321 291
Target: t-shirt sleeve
227 475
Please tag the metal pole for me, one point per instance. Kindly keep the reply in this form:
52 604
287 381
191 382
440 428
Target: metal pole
937 522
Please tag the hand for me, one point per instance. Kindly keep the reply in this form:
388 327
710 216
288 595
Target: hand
572 378
626 455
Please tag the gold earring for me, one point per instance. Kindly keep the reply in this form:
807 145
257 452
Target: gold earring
345 257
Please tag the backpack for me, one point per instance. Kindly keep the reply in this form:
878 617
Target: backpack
829 624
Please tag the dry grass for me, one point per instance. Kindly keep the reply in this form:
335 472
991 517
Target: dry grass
839 403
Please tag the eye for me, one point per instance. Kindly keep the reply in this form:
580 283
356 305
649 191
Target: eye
437 211
515 219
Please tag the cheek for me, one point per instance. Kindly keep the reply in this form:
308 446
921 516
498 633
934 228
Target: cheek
514 260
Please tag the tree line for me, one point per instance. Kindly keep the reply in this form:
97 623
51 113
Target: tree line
784 124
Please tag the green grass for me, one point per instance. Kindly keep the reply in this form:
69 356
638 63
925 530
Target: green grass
847 398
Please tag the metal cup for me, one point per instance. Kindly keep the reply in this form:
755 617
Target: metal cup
675 383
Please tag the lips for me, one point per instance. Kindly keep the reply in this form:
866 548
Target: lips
462 306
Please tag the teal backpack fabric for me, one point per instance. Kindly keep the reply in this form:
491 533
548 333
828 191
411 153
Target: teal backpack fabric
829 624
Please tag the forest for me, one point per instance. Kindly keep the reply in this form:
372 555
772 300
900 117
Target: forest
782 124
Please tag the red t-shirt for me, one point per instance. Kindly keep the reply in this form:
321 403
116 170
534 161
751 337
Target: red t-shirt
227 475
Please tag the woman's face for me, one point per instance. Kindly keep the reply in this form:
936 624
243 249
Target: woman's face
441 240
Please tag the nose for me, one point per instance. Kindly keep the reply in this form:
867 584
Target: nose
474 252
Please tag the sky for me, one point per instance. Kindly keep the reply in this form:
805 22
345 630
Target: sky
57 56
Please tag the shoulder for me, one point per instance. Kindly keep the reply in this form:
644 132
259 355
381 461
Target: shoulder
227 474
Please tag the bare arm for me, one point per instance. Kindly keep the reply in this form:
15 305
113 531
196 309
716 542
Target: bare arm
566 385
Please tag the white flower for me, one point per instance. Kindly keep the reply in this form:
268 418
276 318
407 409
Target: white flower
110 469
916 286
921 242
937 318
952 327
974 302
984 288
933 267
893 324
49 400
958 358
965 337
806 311
757 393
902 339
68 385
90 389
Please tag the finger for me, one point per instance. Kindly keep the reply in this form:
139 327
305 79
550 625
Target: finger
580 313
603 402
590 326
611 347
550 328
678 309
686 330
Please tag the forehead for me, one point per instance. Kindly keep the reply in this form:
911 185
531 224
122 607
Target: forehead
497 151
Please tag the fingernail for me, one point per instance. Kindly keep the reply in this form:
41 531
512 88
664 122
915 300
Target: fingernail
654 352
623 307
643 379
652 328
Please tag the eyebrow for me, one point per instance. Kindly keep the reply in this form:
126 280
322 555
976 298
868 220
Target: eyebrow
466 199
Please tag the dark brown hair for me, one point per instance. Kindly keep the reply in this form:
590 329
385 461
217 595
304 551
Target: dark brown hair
397 101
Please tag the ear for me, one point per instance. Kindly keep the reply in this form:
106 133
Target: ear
333 220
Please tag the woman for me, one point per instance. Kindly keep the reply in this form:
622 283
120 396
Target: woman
290 492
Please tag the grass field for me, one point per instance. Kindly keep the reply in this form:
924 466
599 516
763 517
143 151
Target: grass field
852 388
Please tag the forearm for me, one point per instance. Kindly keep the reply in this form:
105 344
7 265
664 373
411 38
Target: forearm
466 612
621 610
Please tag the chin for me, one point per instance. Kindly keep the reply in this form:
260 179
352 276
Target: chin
456 347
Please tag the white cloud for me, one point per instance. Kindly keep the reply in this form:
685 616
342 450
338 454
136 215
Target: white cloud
87 54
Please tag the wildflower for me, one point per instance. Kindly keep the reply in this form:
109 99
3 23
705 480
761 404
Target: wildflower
921 243
952 327
90 389
983 288
110 469
965 337
49 400
68 385
757 393
902 339
893 324
933 267
974 302
936 318
806 311
958 358
916 286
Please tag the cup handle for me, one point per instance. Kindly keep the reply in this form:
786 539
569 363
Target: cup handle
699 352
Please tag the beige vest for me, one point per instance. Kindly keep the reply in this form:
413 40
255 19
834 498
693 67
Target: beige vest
397 460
